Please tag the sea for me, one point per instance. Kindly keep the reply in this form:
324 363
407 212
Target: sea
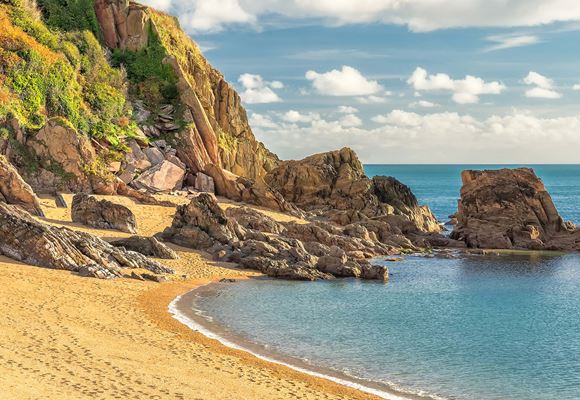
446 326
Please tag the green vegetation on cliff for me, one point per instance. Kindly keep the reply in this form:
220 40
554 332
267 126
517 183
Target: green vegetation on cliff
56 70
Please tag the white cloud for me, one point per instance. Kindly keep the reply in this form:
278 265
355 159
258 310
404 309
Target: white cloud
576 87
345 82
262 121
293 116
465 91
519 137
418 15
544 87
347 110
258 91
371 100
510 41
423 104
350 120
205 16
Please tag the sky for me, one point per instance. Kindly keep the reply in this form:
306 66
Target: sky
400 81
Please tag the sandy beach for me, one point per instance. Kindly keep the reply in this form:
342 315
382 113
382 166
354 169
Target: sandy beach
67 337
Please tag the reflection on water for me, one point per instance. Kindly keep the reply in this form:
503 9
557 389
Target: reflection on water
469 327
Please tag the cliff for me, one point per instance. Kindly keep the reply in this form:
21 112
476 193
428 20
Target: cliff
94 95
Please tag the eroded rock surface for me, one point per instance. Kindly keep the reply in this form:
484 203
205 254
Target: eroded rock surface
510 209
334 184
148 246
24 239
102 214
258 242
13 189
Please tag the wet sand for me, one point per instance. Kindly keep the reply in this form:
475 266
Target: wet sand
67 337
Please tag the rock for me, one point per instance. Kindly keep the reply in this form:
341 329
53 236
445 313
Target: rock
163 177
334 185
123 24
510 208
140 196
24 239
252 219
154 155
60 147
128 174
114 166
60 201
137 158
200 224
173 159
148 246
102 214
13 189
204 183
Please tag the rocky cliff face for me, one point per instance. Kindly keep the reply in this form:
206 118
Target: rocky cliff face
510 208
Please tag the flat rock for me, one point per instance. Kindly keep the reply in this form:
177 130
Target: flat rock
163 177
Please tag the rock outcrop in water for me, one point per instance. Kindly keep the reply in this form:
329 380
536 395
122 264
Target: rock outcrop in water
32 242
260 243
510 209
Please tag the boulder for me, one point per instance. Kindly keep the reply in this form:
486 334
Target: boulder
25 239
204 183
13 189
163 177
102 214
148 246
510 209
154 155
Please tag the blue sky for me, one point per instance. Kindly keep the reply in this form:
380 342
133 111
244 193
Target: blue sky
318 77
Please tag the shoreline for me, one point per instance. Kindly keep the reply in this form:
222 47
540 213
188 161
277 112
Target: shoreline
180 309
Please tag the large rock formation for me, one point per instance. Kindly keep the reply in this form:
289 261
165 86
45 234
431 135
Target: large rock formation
124 24
13 189
510 209
102 214
270 247
334 184
32 242
148 246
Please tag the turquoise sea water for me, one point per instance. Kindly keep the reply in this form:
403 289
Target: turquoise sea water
438 185
467 327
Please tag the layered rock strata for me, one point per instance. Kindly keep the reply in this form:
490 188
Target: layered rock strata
102 214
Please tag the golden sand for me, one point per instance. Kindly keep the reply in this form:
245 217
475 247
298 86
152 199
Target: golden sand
67 337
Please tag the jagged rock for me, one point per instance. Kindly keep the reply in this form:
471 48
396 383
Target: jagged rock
102 214
200 224
141 197
123 24
163 177
128 174
154 155
238 188
203 225
148 246
137 158
204 183
24 239
13 189
510 208
334 184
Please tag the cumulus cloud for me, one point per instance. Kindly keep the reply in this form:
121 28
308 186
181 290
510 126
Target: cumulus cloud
418 15
259 91
576 87
408 137
423 104
544 87
293 116
371 100
347 110
347 81
503 42
350 120
465 91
